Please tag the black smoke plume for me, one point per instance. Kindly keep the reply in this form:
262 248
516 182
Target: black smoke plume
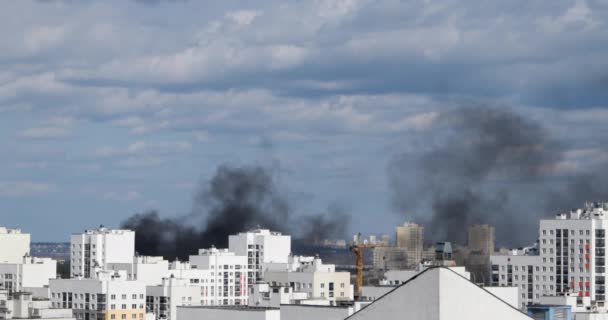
236 199
488 165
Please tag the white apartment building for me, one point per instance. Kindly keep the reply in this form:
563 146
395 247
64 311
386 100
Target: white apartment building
109 296
221 275
29 273
571 258
164 299
149 270
95 249
14 245
319 281
261 247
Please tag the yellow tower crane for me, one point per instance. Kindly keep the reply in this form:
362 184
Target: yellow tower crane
357 249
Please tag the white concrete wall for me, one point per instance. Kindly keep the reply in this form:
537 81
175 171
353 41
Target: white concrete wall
179 291
229 313
304 312
106 246
14 245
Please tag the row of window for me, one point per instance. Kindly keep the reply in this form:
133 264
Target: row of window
580 232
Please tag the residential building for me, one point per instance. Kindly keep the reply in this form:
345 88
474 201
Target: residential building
319 281
149 270
261 247
107 296
15 245
390 258
95 249
439 293
570 258
411 237
222 276
23 305
164 299
30 272
262 294
481 238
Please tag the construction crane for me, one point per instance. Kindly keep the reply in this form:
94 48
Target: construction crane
357 249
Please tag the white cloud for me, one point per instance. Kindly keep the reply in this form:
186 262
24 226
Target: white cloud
130 195
25 188
45 133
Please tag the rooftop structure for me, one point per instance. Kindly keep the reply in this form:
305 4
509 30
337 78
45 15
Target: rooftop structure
439 293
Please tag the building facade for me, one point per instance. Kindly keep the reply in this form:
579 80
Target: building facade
411 237
390 258
30 273
222 276
15 245
164 299
261 247
570 258
481 238
95 249
309 275
110 296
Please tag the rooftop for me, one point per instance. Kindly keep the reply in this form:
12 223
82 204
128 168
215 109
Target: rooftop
233 307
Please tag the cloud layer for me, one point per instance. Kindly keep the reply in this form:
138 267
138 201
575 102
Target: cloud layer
122 105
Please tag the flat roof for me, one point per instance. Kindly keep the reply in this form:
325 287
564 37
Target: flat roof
230 307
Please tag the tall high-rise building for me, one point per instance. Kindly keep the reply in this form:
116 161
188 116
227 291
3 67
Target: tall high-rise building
481 238
570 258
97 248
411 237
15 245
261 247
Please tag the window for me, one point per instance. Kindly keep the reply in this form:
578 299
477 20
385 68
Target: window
322 285
134 296
123 316
124 296
113 297
113 317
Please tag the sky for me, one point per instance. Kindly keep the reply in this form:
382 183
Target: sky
109 108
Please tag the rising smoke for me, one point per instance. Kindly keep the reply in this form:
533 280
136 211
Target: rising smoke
488 165
234 200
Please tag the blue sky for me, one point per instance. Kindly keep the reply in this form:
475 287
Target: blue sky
108 108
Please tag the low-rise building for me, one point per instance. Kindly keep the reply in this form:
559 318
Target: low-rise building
24 306
29 272
164 299
149 270
317 280
390 258
108 296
